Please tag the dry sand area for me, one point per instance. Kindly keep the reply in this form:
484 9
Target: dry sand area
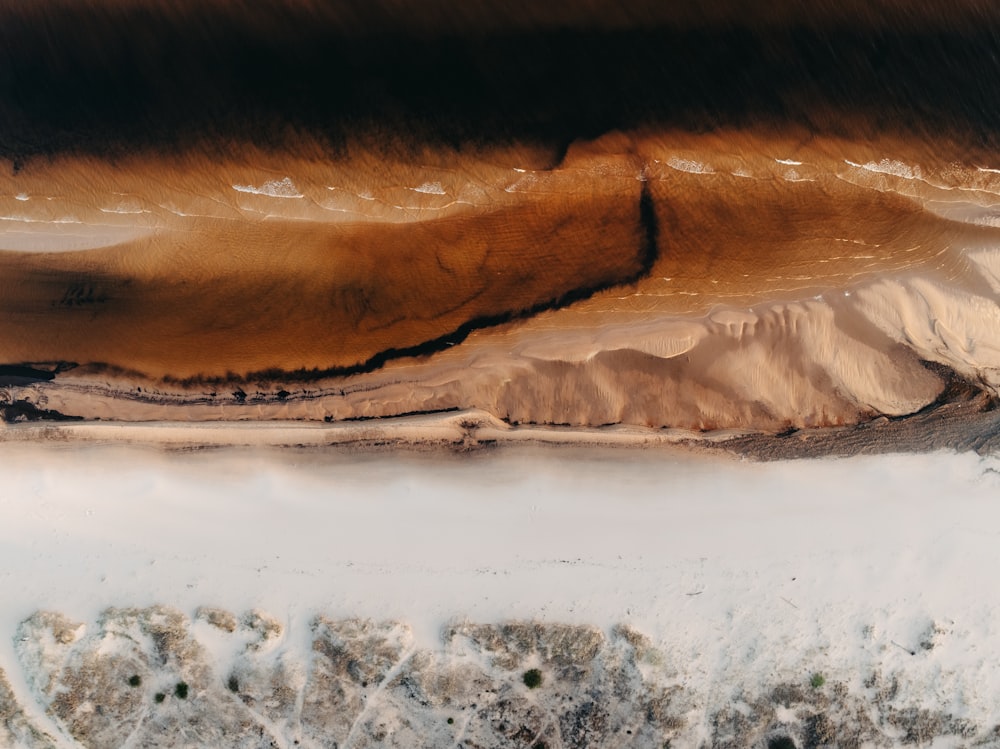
317 599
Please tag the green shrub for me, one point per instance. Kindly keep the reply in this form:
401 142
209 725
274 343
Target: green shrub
134 680
532 678
159 697
817 680
181 690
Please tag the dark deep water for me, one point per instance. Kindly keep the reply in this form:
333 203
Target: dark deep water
120 77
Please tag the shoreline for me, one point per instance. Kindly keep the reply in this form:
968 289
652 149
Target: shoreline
969 421
462 430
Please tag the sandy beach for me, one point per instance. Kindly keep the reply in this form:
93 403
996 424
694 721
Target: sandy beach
713 589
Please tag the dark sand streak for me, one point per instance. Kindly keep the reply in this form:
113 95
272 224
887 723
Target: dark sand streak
963 419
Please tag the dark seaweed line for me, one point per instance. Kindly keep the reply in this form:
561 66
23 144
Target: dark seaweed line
963 417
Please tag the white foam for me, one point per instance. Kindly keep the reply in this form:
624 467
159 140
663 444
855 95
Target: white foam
126 210
525 180
689 165
890 167
430 188
284 188
27 220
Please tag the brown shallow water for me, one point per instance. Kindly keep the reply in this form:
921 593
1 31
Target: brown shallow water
218 295
620 227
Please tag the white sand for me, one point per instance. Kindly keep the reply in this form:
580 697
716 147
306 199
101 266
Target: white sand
746 573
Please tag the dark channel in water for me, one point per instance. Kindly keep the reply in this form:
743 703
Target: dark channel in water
120 77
